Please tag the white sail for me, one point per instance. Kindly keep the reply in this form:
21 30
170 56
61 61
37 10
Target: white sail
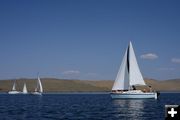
14 87
135 76
40 85
24 88
129 73
122 79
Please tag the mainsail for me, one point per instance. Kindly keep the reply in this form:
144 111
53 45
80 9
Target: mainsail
40 85
129 73
24 88
14 87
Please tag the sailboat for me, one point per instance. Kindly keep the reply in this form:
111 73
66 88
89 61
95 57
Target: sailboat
24 89
128 77
38 89
14 91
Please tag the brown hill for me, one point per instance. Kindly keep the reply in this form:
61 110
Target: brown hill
62 85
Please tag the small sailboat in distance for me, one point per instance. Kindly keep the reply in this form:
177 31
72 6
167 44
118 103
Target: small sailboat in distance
38 89
14 91
24 89
128 77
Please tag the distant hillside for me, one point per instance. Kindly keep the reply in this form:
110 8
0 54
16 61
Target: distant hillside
165 85
62 85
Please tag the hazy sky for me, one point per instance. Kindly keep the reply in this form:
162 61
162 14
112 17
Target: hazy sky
86 39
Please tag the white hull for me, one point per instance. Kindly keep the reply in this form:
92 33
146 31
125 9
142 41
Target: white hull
134 95
14 92
37 93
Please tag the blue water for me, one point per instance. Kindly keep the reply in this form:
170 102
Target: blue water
83 107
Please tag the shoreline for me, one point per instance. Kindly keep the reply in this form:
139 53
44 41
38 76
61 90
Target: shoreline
94 92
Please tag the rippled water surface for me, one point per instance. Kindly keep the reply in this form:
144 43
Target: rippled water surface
82 107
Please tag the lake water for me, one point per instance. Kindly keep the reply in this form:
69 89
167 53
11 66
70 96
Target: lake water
83 107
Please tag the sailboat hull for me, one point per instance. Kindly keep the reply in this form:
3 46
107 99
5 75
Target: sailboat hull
134 95
36 93
14 92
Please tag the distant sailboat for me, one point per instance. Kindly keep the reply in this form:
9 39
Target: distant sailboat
128 77
14 91
38 89
25 89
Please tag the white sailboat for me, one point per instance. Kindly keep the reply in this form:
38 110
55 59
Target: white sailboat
38 89
14 91
24 89
129 75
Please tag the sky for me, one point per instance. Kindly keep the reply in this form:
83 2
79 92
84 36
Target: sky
86 39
